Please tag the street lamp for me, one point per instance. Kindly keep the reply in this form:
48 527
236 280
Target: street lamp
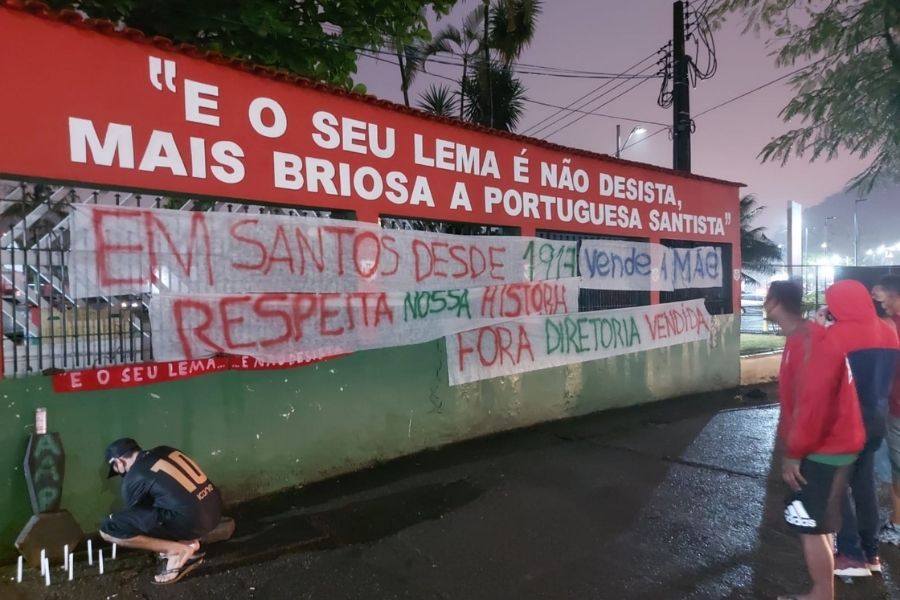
637 130
856 230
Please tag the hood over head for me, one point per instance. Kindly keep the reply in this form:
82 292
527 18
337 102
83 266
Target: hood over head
849 300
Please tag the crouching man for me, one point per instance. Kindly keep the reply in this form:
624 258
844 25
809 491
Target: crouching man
169 505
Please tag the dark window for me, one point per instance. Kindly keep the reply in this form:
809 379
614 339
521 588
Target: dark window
718 299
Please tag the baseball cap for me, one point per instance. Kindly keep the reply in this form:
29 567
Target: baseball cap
117 449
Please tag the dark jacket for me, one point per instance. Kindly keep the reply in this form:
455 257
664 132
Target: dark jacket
871 347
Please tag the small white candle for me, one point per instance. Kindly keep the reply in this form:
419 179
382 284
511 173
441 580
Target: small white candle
114 552
43 559
19 570
90 553
100 559
65 557
71 567
47 572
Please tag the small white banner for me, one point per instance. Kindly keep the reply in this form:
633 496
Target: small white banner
625 265
541 342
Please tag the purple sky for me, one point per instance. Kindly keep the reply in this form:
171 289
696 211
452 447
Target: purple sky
610 36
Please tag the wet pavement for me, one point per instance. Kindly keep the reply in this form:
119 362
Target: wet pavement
677 500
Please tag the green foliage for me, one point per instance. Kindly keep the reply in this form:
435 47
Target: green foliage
494 97
315 38
439 100
489 92
512 26
759 254
848 87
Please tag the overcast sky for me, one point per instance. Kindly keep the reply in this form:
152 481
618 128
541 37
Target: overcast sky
612 35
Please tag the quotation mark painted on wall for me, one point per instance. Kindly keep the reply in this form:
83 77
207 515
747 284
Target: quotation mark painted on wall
162 71
728 218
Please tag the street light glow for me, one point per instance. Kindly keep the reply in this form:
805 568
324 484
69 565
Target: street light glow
640 130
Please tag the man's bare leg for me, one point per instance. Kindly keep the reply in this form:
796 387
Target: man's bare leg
820 563
176 552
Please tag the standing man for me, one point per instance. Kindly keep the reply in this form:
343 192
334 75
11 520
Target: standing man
889 296
870 346
169 505
820 430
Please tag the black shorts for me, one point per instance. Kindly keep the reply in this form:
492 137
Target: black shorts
152 522
816 508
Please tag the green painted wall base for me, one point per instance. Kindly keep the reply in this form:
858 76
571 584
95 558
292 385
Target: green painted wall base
258 432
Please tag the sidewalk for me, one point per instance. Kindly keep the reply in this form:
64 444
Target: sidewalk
672 501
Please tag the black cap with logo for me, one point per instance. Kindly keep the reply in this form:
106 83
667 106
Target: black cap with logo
117 449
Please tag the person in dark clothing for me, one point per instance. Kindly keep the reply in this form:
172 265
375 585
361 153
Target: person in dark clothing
888 295
870 346
169 505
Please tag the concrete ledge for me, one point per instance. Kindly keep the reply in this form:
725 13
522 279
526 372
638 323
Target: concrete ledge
760 368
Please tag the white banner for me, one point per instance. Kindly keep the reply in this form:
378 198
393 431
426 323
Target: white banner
119 250
282 326
626 265
541 342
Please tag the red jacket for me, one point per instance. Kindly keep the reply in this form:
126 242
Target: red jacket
825 421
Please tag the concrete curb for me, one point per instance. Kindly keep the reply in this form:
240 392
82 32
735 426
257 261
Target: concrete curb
760 368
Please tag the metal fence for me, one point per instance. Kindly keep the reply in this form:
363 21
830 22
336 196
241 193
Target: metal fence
44 327
814 279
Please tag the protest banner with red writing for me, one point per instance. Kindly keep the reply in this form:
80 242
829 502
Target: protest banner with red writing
193 126
280 326
627 265
542 342
125 376
118 250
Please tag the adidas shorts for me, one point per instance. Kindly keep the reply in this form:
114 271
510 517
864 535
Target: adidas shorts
816 508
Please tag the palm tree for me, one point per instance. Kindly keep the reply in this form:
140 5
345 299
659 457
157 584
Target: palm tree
512 26
464 42
496 98
759 254
490 94
438 100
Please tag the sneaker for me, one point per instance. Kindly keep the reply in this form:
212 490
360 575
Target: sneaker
846 567
873 563
890 534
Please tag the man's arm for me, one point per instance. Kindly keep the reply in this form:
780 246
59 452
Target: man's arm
135 491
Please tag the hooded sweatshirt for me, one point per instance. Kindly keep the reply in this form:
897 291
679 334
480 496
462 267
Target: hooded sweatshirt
820 410
871 346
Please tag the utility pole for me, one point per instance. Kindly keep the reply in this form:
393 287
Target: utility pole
681 95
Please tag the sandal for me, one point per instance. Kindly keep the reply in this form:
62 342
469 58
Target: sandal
162 562
189 565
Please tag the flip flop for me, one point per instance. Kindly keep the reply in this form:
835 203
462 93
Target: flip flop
162 562
191 564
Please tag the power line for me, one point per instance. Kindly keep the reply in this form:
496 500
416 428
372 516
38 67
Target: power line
738 97
579 118
756 89
593 113
593 91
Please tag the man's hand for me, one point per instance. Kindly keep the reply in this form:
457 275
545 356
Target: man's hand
790 472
